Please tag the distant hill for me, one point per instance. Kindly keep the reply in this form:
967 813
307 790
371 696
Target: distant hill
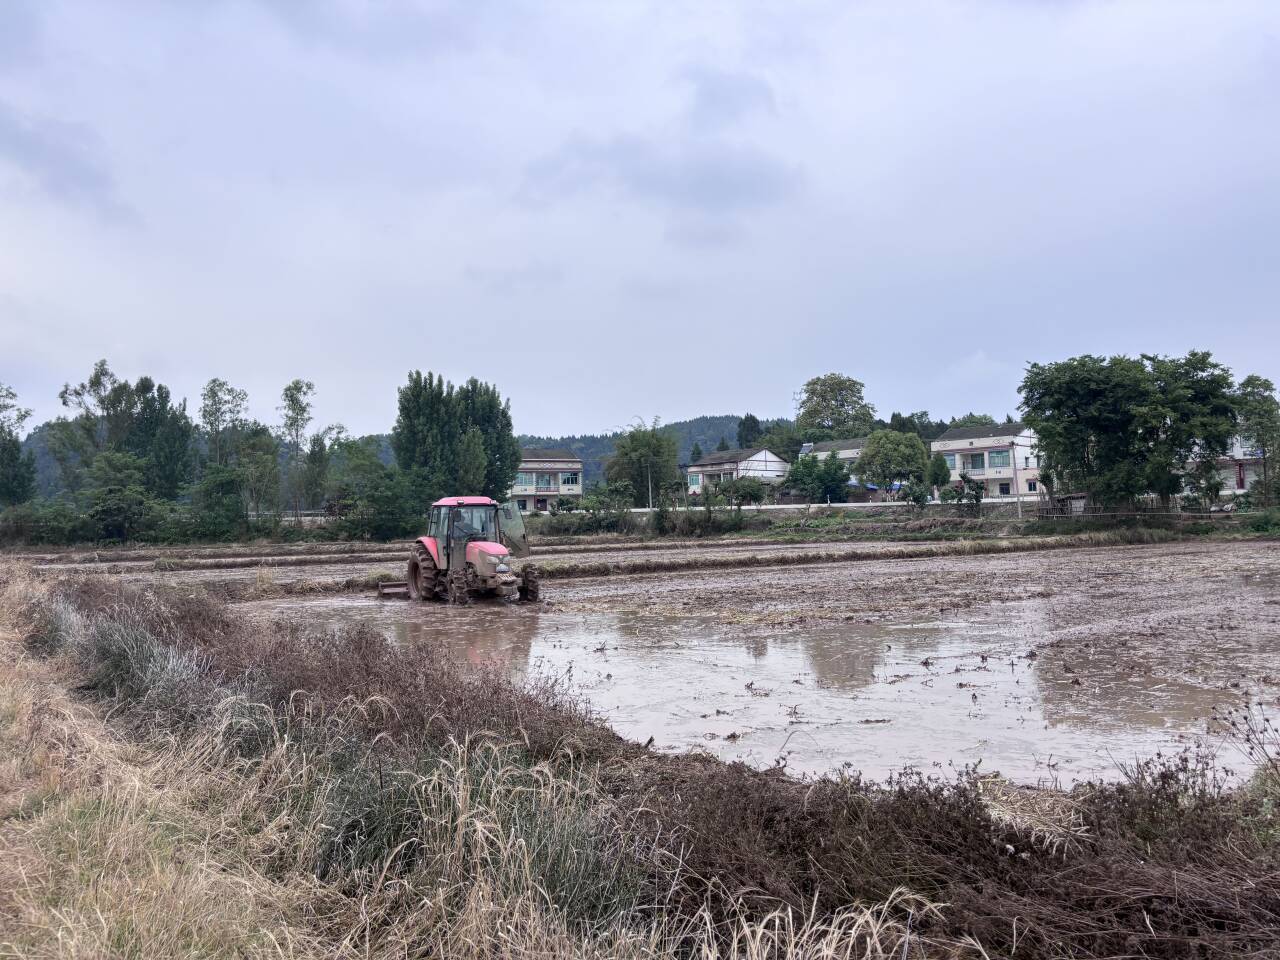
595 448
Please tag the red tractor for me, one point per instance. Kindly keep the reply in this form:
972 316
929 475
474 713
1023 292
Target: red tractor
467 553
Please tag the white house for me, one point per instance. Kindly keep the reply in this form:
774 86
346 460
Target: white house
1003 456
1239 468
544 477
725 465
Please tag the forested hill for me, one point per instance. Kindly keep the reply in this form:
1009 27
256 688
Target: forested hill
595 448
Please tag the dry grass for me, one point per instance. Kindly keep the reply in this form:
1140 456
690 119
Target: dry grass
411 808
199 824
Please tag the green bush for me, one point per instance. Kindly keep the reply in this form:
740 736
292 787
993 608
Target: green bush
1266 522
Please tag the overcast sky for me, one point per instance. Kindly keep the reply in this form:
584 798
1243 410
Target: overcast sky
615 209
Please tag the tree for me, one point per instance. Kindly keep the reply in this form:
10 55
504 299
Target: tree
744 490
1187 423
1087 434
835 403
820 479
258 462
1259 425
433 418
295 417
695 454
784 440
218 504
722 446
1119 428
17 471
749 431
118 505
140 418
974 420
472 461
938 474
221 414
315 466
892 458
644 457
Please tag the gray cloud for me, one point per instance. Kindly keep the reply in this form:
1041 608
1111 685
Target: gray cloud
707 176
721 98
64 159
923 195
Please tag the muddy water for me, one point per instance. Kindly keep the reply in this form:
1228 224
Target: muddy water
1056 674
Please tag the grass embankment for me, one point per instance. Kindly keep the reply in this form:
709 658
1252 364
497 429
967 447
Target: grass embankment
310 794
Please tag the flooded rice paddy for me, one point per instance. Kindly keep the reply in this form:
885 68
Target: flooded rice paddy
1048 667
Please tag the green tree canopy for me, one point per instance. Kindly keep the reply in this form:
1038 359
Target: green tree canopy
644 457
749 431
834 403
432 420
1259 426
938 473
890 457
17 470
820 479
1118 428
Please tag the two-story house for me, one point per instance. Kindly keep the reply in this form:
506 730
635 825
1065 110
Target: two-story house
1003 456
544 477
722 466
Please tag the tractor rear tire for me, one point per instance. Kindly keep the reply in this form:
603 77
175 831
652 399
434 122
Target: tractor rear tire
426 582
530 583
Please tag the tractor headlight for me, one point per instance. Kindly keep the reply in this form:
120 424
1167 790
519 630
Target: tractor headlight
502 568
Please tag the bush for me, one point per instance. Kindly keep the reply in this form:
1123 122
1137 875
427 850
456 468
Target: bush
1266 522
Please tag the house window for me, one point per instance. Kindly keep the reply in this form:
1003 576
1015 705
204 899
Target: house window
524 479
695 479
951 460
977 461
547 481
1031 486
998 458
569 479
1004 489
540 504
522 506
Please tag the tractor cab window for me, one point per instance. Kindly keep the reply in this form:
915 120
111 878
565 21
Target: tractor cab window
436 527
473 523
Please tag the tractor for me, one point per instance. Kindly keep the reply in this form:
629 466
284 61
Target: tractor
467 552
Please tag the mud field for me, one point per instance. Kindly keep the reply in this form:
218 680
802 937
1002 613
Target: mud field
1048 666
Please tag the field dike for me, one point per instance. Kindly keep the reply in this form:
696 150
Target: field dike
281 792
951 548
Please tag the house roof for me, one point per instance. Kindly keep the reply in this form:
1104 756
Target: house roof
831 446
556 454
979 433
728 456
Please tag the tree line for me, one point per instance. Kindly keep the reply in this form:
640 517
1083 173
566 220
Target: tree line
133 463
1116 430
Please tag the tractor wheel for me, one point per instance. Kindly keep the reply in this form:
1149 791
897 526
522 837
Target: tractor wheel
459 593
530 583
426 582
419 564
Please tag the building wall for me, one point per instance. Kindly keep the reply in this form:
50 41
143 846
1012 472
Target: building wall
963 456
539 483
763 466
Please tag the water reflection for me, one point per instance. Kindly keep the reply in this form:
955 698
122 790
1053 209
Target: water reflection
873 697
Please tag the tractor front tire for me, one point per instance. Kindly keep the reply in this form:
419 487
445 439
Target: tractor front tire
530 584
459 590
